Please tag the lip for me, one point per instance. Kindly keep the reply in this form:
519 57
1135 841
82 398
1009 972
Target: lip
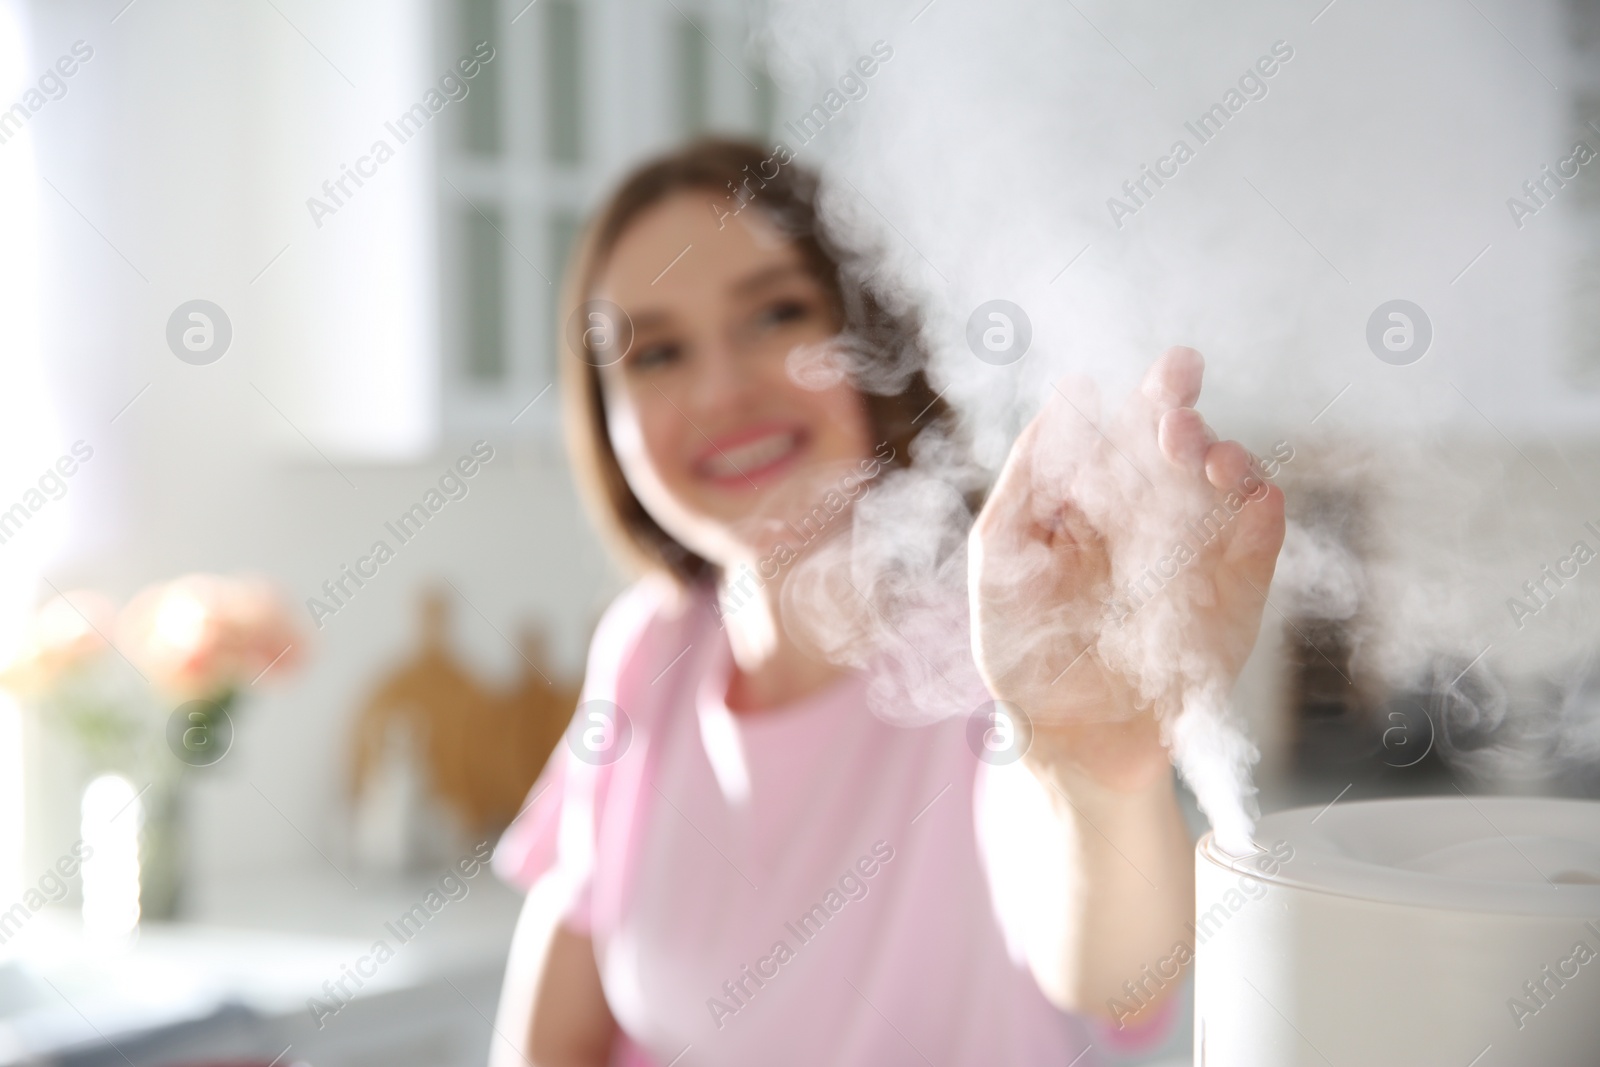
766 472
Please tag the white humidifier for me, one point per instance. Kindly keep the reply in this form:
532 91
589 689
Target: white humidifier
1441 930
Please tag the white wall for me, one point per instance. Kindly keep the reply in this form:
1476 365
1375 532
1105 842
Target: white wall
190 142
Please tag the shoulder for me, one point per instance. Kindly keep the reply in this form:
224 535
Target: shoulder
642 630
637 636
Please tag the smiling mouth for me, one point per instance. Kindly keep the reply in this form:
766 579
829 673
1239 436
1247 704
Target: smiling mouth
739 465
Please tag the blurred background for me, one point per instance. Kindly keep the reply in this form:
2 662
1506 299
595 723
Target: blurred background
277 283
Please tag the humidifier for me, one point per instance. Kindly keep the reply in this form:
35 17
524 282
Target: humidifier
1442 930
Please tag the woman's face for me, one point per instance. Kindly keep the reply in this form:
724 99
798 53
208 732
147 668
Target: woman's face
715 435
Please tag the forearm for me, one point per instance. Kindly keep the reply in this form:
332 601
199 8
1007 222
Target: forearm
552 1010
1129 896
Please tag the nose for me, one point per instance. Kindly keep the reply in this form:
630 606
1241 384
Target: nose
723 384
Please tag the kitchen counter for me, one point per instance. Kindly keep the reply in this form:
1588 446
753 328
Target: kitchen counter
237 982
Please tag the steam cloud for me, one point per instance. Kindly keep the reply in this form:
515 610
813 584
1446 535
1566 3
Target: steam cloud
981 167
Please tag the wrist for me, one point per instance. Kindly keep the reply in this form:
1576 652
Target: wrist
1079 789
1095 759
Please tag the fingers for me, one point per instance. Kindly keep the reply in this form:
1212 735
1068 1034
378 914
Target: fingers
1184 438
1253 541
1189 444
1169 391
1258 535
1166 398
1226 464
1173 381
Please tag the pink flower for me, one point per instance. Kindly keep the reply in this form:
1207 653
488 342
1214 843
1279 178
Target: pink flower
203 635
66 632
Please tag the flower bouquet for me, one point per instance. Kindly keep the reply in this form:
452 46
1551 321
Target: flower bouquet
171 666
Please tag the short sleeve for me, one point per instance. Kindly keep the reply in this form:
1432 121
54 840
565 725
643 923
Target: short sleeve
531 848
554 834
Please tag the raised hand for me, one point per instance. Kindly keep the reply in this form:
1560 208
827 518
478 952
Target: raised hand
1116 567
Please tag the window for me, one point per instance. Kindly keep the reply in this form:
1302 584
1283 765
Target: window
576 92
563 84
1583 270
693 69
483 305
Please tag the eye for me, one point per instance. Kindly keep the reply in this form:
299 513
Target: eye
783 311
652 356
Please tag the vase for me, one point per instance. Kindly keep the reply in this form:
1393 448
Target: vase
163 849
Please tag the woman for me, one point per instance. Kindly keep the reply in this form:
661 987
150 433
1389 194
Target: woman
732 860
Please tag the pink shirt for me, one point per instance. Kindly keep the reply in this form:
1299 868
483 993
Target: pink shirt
804 884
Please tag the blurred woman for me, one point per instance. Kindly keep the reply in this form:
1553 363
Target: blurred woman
732 860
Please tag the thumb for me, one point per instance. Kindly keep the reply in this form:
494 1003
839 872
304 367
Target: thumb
1007 522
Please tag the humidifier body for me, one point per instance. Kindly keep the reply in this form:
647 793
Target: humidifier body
1441 930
